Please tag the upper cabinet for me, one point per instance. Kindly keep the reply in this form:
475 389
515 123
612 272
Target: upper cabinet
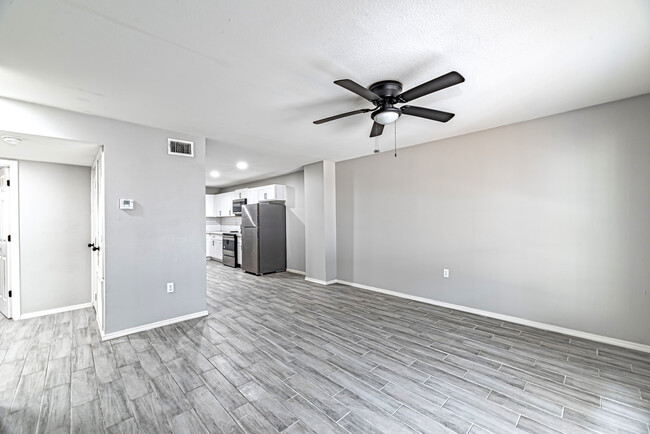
271 192
240 194
220 205
224 204
209 205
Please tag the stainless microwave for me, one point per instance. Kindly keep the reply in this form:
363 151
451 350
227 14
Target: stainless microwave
237 205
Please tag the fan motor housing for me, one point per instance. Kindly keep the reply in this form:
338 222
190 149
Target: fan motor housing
387 89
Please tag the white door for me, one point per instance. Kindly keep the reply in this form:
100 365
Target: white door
5 305
97 236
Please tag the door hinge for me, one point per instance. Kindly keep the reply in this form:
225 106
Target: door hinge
8 238
8 182
10 293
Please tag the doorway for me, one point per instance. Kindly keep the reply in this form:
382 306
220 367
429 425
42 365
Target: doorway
54 212
9 254
97 236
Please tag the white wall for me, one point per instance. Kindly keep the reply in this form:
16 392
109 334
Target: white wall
54 233
163 238
295 204
546 220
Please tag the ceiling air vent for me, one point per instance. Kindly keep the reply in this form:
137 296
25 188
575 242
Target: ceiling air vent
180 147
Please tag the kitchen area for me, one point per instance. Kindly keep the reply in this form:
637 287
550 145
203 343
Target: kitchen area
247 228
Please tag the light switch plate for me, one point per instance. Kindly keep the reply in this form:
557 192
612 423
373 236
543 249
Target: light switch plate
445 273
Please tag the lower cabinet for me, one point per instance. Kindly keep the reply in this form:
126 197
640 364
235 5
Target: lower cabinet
215 247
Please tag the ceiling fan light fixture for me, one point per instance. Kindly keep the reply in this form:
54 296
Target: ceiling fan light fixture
386 116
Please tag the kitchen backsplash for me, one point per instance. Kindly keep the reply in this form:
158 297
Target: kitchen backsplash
222 224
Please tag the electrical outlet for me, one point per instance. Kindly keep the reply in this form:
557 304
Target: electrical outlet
170 287
445 273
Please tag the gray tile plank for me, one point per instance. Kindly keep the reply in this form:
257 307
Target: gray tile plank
58 372
172 398
227 394
83 387
114 402
215 418
317 397
371 413
185 377
55 410
309 414
420 422
251 420
87 418
151 363
29 391
187 422
136 381
269 407
150 415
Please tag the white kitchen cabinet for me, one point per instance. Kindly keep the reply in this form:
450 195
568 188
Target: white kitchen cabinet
251 195
210 210
240 194
224 204
215 247
271 192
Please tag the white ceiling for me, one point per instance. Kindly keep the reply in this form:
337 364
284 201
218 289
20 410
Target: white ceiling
251 76
48 150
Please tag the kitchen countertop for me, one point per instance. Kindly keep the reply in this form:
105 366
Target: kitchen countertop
221 233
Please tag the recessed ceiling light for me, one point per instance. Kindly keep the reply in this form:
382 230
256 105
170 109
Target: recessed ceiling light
10 140
215 174
242 165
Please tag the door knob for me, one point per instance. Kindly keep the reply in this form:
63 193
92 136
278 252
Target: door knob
91 245
95 248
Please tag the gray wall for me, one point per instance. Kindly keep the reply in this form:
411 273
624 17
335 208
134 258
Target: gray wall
163 238
295 214
546 220
320 221
54 232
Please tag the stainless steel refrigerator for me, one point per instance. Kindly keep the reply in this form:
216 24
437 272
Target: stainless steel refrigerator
263 231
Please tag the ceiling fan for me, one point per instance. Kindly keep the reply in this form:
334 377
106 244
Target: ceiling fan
385 94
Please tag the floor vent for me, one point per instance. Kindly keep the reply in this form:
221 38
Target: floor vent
180 147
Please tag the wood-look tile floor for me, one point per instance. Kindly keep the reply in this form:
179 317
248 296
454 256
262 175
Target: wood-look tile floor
278 354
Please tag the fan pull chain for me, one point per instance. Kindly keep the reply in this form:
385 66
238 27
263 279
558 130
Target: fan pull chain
395 139
376 144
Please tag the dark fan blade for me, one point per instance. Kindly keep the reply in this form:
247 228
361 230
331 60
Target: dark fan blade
358 89
342 115
434 85
377 129
421 112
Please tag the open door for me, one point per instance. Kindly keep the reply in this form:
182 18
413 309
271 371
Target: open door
9 256
97 236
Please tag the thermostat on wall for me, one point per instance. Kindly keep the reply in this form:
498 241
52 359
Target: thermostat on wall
126 203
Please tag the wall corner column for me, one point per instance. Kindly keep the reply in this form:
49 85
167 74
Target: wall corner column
320 222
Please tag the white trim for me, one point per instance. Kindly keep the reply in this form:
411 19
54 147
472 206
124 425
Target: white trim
320 282
302 273
513 319
152 325
56 310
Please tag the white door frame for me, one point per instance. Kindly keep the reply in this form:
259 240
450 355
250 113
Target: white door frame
97 237
13 247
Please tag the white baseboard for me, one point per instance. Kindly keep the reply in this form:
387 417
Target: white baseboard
302 273
513 319
153 325
320 282
53 311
